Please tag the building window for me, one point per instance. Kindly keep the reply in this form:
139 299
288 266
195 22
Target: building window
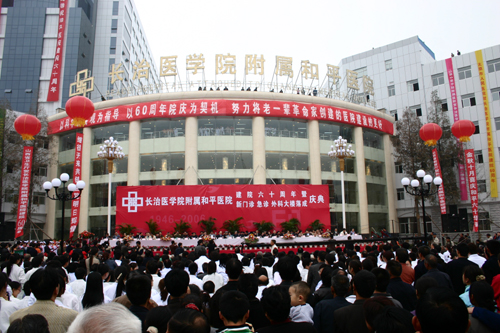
42 171
388 65
399 168
401 193
114 25
495 94
481 185
112 46
391 90
493 65
11 196
417 109
484 221
464 73
478 154
116 5
497 123
476 124
361 72
394 113
468 100
444 105
438 79
39 198
412 85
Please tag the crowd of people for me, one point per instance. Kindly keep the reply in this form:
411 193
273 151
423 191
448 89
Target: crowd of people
91 287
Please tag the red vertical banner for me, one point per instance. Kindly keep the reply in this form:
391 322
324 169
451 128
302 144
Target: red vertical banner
437 172
470 163
77 175
55 77
24 191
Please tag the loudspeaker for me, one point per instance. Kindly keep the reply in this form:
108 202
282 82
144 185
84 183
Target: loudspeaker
453 209
463 219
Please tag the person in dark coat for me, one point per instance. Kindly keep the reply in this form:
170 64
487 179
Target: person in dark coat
456 267
351 318
491 267
398 289
420 269
443 279
323 319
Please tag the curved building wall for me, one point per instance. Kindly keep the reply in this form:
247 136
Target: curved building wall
231 147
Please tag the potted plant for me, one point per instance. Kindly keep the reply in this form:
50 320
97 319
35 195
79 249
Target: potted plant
126 228
263 226
291 225
316 225
208 225
233 225
181 227
153 226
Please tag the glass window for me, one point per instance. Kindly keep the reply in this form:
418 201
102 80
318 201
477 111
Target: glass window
39 198
481 185
394 113
119 132
116 6
286 128
67 141
283 161
224 126
468 100
391 90
163 128
378 221
417 109
412 85
388 65
162 162
464 73
331 131
372 139
444 105
377 194
114 25
112 45
99 194
335 189
438 79
476 125
478 154
100 166
495 94
399 168
361 72
497 123
333 164
374 168
493 65
401 193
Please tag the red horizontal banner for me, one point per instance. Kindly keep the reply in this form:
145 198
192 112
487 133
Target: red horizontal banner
222 107
191 203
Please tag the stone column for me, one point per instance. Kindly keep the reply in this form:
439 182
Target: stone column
391 188
314 152
83 223
259 150
134 149
191 159
360 170
50 205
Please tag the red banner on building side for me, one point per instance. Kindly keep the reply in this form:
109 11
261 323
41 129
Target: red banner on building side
191 203
470 162
24 191
77 176
55 77
437 171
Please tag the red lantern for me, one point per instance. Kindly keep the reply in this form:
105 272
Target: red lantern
79 109
27 126
463 129
430 133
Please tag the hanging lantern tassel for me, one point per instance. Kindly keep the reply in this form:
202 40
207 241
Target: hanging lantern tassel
463 129
27 126
430 133
79 109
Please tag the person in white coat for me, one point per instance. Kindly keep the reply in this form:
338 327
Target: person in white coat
13 270
7 308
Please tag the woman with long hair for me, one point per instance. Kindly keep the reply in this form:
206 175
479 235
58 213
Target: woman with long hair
94 294
470 274
13 271
117 288
162 297
92 259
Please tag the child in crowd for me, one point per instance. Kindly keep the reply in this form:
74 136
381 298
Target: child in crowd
300 310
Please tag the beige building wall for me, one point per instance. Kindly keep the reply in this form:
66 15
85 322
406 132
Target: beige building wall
259 150
134 150
391 188
191 155
314 152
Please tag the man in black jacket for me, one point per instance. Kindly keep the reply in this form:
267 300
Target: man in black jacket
456 267
490 267
398 289
323 319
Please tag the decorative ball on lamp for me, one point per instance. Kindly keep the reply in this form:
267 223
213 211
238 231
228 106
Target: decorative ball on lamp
79 109
27 126
463 129
430 133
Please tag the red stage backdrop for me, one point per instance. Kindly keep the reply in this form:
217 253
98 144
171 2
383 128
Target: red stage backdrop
191 203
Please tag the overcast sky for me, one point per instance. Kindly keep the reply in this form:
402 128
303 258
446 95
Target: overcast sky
319 31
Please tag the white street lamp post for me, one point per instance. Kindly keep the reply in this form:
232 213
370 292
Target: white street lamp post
110 151
341 150
419 190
